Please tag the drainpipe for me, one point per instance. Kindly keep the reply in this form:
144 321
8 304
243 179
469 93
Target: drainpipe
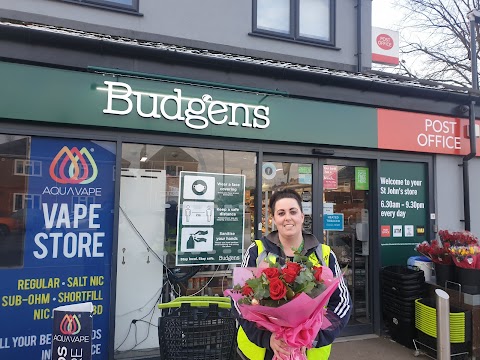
359 36
472 16
466 158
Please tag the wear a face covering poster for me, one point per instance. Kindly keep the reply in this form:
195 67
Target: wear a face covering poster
211 219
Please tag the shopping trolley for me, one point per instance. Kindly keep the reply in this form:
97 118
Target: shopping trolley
196 328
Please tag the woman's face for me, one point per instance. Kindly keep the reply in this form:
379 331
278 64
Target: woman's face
288 217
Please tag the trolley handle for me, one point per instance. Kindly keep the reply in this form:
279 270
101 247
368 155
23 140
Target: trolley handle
177 304
214 299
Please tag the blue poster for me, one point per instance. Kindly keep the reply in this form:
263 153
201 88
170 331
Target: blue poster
333 222
63 254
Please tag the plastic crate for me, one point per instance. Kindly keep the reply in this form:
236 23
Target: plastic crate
410 285
403 291
401 330
402 275
399 304
196 330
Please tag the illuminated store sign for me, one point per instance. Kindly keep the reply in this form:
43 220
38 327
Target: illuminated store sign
198 113
401 130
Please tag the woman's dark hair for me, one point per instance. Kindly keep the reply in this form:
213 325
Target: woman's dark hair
284 194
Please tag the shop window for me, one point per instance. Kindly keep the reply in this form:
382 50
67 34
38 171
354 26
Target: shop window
125 5
309 21
150 191
28 167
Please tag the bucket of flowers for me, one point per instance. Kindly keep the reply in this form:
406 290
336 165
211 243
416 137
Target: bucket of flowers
438 251
287 300
466 255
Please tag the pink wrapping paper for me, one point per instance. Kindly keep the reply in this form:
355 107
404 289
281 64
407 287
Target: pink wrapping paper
298 321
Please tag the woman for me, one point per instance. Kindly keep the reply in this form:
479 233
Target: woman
286 208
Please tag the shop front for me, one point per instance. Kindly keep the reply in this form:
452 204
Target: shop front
128 191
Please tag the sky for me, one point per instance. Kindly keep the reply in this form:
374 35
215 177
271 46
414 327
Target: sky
384 15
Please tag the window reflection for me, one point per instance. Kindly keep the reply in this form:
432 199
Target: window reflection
14 198
149 193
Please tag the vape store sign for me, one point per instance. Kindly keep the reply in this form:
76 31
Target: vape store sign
66 251
211 217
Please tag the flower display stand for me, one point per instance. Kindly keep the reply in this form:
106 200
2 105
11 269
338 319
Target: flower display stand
469 279
445 273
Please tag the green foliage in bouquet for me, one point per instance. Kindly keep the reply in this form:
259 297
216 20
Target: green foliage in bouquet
276 284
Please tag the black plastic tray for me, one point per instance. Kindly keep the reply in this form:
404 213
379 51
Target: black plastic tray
402 273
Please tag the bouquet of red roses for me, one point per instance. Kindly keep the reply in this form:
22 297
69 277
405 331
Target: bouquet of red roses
436 251
288 300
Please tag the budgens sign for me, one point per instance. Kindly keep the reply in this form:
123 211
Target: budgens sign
197 112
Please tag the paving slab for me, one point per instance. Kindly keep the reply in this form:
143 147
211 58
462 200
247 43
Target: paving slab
371 347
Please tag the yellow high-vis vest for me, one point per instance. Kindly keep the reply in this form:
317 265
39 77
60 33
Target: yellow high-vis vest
254 352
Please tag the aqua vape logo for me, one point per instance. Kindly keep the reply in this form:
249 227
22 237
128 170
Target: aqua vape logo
73 166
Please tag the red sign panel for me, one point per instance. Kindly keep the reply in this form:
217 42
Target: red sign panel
400 130
384 41
385 231
330 177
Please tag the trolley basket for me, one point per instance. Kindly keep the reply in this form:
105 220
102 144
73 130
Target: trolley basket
196 328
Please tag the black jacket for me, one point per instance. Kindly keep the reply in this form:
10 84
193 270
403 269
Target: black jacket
338 308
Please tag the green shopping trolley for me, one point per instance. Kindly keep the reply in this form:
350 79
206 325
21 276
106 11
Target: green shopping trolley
196 328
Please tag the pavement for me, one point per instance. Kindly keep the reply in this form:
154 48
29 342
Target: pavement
371 347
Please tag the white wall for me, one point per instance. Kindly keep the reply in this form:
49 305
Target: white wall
449 193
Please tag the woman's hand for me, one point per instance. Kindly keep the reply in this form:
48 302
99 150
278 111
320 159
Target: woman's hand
279 347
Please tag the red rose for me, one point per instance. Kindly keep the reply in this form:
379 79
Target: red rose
294 266
317 273
246 290
278 290
271 273
289 275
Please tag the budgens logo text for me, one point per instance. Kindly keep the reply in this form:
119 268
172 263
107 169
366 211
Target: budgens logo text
197 113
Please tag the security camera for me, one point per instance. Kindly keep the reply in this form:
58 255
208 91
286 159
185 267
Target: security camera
463 109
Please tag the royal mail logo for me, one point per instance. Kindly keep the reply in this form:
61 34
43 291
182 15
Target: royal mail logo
70 325
385 41
73 166
385 231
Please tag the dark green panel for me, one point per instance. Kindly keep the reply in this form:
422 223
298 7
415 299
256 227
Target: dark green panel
403 210
61 96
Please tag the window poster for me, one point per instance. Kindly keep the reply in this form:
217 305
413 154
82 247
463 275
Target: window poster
211 219
66 245
403 210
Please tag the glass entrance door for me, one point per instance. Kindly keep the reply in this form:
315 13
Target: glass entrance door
336 201
279 175
346 227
